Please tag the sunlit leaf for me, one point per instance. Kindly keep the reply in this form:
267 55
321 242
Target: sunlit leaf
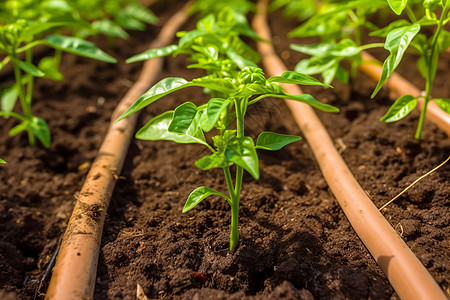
308 99
152 53
400 109
50 68
213 110
109 28
27 67
242 152
296 78
198 195
164 87
157 129
274 141
79 47
9 98
443 103
182 117
397 42
397 5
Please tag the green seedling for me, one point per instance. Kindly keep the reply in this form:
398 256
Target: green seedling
339 25
2 161
188 123
402 34
21 37
214 46
87 17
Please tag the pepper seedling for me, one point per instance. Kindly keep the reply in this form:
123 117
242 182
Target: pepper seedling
2 161
187 124
21 37
399 36
214 45
339 25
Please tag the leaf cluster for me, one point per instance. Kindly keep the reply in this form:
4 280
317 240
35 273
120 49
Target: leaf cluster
29 24
402 35
214 46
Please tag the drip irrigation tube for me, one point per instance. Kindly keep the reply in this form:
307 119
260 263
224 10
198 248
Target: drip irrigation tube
407 275
400 86
75 270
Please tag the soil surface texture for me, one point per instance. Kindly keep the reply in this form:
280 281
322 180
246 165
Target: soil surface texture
295 241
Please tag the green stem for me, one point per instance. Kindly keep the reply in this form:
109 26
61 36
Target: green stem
26 108
410 14
418 134
30 85
240 106
234 234
430 74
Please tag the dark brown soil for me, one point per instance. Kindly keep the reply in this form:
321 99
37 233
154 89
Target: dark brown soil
295 242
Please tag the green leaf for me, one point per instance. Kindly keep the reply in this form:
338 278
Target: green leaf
152 53
18 129
27 67
242 152
397 5
239 60
397 42
296 78
274 141
443 104
50 68
308 99
213 110
157 129
79 47
400 109
2 161
40 129
164 87
198 195
9 98
316 65
222 85
190 37
37 126
320 49
141 13
215 160
182 118
129 22
109 28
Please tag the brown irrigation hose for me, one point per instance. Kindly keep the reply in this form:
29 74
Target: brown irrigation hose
76 265
400 86
407 275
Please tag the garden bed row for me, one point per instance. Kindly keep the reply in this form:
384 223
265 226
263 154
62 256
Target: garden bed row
295 241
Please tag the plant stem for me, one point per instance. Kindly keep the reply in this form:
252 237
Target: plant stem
240 107
431 73
23 100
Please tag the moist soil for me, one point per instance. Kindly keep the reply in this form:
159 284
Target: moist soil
295 241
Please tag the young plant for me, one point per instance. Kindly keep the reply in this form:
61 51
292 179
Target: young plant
402 34
2 161
214 45
21 37
340 26
188 123
110 18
